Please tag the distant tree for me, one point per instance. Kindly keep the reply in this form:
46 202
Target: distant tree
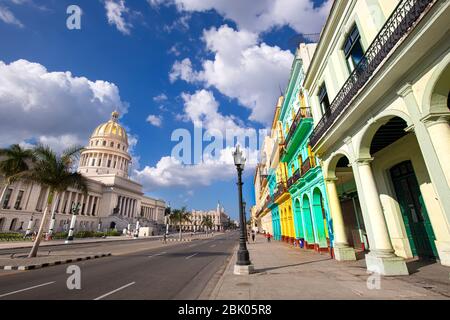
178 216
207 222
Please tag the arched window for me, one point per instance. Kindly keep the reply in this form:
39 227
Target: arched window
111 144
104 143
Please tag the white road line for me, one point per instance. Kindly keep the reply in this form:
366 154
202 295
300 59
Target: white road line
212 246
114 291
157 255
26 289
192 256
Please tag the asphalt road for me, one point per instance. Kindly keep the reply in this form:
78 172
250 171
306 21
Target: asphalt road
182 271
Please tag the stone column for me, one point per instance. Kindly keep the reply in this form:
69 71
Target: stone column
62 198
91 205
381 258
342 251
439 131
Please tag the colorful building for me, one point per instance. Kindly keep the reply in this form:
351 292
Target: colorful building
308 206
379 91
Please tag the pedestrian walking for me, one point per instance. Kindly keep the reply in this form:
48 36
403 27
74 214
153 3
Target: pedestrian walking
253 235
165 238
268 236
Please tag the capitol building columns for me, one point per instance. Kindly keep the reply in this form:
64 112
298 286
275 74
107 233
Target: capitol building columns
113 201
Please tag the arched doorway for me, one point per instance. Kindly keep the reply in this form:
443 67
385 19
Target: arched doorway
298 218
414 213
354 230
307 222
320 219
398 169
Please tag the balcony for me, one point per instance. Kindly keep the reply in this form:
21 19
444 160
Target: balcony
281 189
307 165
396 27
301 125
295 177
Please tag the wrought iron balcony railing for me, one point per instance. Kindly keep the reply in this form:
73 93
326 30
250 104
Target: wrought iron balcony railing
281 188
307 165
302 113
295 177
396 27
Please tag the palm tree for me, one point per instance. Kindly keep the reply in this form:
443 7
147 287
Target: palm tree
207 223
56 173
178 216
14 161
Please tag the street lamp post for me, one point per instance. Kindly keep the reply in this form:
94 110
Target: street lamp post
75 210
243 265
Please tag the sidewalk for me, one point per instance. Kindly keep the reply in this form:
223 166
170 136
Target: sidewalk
287 273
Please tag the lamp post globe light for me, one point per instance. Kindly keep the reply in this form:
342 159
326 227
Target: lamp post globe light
243 265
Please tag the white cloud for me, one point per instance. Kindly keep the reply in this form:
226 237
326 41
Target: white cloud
115 12
242 69
52 107
170 172
202 109
182 70
9 18
155 120
261 15
160 97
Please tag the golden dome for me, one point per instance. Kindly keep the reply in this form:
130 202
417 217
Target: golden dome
111 129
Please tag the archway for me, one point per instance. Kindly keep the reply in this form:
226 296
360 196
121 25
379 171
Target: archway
298 218
320 219
396 154
353 223
308 223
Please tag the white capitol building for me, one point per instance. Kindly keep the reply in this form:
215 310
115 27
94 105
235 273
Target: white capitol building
113 201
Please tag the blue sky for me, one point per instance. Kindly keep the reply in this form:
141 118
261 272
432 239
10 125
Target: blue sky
165 65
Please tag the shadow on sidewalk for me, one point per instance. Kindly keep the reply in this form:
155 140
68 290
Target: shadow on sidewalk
290 265
414 266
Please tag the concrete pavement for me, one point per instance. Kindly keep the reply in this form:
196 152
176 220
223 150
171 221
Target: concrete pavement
287 273
141 270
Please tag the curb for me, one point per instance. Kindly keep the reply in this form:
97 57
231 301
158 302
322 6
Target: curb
54 263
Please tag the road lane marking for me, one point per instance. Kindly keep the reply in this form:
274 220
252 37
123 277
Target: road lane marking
157 255
192 256
212 246
114 291
26 289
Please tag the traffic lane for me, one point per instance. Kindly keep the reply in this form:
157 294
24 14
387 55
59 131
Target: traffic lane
179 275
99 267
104 275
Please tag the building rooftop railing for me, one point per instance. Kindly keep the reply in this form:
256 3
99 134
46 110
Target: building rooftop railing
396 27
